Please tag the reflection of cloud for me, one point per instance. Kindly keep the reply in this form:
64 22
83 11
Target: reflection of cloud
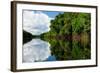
36 50
36 22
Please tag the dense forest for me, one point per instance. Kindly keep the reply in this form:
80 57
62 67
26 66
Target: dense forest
70 36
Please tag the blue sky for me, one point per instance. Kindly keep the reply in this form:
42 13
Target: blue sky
52 14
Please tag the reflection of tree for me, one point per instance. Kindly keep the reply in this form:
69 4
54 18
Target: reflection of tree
73 25
61 50
70 36
26 37
67 50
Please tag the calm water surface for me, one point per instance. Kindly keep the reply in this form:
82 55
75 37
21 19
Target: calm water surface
37 50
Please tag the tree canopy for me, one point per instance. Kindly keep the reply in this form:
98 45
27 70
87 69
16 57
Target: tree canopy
69 36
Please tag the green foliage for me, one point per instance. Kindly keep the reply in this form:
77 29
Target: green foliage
75 25
70 22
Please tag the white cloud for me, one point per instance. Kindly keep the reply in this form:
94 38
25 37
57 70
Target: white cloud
36 22
36 50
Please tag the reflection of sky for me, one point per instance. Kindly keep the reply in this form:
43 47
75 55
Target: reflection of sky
37 22
36 50
51 58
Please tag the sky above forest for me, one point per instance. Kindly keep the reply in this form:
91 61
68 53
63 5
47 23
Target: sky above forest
38 22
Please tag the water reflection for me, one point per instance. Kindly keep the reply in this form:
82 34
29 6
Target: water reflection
55 48
36 50
77 47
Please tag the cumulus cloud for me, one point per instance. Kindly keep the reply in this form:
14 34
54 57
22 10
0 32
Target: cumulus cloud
36 50
36 22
